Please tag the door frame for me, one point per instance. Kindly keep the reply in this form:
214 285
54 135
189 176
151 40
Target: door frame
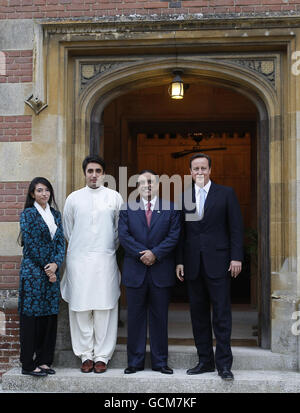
263 182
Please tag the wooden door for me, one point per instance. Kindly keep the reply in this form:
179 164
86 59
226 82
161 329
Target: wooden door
231 166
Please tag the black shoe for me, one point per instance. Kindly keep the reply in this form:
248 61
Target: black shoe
201 368
226 374
164 370
131 369
34 373
48 370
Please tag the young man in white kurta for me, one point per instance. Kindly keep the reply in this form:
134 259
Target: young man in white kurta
91 281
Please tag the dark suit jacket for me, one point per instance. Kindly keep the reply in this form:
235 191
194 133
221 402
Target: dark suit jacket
218 236
161 238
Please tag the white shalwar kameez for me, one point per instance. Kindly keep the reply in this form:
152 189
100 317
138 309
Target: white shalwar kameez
91 283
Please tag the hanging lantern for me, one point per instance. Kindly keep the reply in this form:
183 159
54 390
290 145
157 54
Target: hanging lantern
176 89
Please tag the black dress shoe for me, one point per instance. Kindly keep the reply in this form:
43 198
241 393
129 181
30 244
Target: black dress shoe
201 368
48 370
226 374
34 373
164 370
131 369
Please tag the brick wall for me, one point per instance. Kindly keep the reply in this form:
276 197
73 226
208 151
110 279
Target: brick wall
9 272
9 338
15 128
16 66
12 198
29 9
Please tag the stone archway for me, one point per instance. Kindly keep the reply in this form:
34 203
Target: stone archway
122 78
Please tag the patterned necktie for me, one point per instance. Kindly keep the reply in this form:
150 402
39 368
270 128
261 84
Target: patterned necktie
148 214
201 203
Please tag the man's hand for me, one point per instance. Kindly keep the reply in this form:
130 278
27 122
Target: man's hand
147 257
235 268
180 272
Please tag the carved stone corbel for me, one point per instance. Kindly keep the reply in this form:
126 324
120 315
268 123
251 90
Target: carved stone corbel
36 104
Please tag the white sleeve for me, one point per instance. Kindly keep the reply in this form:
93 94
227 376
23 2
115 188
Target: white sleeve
119 203
68 219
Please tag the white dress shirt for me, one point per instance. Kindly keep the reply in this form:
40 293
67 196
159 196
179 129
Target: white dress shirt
152 202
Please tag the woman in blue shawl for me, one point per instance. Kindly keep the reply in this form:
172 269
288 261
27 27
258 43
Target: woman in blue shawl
42 238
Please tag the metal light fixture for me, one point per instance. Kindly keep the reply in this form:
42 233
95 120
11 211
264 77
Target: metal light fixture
176 88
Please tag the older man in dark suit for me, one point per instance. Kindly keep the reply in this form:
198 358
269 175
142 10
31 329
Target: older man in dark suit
210 249
148 231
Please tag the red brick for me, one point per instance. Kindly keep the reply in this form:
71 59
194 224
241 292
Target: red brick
196 3
18 66
4 346
15 128
10 342
10 131
77 7
23 185
12 192
53 7
10 212
24 118
10 258
26 52
9 218
9 266
8 198
156 5
15 205
11 185
10 118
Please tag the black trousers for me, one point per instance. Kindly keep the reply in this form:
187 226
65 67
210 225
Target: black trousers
206 293
147 300
37 338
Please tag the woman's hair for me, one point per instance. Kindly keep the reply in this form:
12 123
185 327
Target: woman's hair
29 201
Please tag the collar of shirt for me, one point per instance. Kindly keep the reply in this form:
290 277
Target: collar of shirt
94 190
153 201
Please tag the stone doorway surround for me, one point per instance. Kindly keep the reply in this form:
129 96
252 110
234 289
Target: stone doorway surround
82 66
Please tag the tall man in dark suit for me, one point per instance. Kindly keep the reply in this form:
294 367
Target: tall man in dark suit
210 249
148 231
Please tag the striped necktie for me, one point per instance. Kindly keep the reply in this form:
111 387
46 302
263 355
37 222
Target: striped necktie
148 214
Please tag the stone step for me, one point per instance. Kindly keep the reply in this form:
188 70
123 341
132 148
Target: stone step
184 357
70 380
